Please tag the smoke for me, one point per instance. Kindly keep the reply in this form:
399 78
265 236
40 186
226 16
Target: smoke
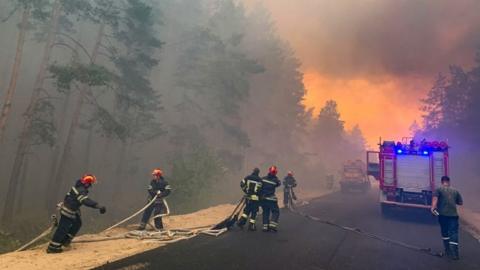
374 38
377 58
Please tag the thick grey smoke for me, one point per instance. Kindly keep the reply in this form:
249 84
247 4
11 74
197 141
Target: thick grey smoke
378 37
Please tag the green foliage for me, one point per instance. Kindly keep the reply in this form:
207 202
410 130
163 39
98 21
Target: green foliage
194 173
137 102
67 75
8 242
109 126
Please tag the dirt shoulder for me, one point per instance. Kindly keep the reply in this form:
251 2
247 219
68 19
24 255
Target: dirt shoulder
471 221
92 254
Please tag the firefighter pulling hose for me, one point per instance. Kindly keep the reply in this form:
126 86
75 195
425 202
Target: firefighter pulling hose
70 221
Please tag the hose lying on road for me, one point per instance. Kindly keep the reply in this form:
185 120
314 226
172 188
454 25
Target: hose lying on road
428 251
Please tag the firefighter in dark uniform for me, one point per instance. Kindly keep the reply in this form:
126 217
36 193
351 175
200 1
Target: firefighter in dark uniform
160 187
268 200
70 221
289 182
251 186
444 205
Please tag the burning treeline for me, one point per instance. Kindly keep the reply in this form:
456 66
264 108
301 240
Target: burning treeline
203 89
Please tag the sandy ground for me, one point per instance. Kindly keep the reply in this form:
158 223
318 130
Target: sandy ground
92 254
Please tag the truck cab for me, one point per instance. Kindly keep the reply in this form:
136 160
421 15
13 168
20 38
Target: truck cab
409 172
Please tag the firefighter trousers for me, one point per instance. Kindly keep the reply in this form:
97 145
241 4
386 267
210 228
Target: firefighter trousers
157 208
449 230
251 209
270 206
288 196
67 229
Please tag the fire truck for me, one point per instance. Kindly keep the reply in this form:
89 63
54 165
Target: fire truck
408 172
354 177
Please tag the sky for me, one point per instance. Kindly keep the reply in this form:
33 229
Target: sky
376 58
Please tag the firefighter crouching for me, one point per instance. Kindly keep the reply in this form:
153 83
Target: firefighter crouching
251 186
269 201
70 221
289 182
158 186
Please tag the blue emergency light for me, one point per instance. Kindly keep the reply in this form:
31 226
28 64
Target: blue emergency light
425 152
399 151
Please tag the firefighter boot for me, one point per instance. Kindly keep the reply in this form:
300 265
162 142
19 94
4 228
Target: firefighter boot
251 225
241 222
454 252
265 228
446 245
54 247
273 226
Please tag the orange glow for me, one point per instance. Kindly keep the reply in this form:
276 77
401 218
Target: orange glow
383 108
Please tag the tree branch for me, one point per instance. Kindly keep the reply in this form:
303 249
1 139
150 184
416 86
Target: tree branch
76 43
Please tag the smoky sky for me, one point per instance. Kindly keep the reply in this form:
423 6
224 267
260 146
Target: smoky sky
371 38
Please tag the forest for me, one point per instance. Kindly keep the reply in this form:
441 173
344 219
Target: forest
451 113
204 89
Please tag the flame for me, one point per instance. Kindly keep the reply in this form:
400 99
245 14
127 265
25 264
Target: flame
384 108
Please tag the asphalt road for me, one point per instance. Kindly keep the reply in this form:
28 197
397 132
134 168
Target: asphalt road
304 244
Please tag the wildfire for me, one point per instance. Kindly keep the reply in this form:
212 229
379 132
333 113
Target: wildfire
383 108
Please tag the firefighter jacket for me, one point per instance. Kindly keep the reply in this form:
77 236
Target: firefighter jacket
289 182
251 186
159 185
269 184
76 197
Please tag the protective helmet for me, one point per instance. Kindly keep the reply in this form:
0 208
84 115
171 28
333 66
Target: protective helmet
157 172
272 170
290 173
89 179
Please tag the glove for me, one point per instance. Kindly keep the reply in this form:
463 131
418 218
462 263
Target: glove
102 209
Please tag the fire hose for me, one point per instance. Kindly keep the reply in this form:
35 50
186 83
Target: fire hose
167 236
134 214
54 224
358 231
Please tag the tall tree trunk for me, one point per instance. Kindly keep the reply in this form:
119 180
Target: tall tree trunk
53 190
57 148
25 134
7 105
22 185
88 151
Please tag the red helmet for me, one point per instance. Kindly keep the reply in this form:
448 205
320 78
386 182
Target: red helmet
272 170
89 179
290 173
157 172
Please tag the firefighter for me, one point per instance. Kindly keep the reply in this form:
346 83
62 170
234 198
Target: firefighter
444 205
269 201
70 221
251 186
158 186
289 182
